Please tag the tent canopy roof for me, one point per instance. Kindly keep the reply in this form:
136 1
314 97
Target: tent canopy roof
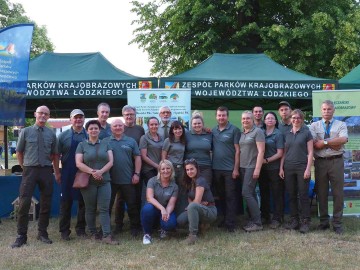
351 80
249 67
74 67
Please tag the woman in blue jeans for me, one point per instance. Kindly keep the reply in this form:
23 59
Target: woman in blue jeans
161 195
201 208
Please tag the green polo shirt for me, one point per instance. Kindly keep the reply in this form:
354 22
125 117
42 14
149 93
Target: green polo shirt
273 142
105 132
123 150
223 147
248 147
95 160
199 146
296 148
163 194
154 149
175 151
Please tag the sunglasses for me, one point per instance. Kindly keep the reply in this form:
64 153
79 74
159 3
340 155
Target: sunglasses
190 161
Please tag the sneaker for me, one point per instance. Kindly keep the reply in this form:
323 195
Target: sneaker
275 224
109 240
147 239
253 227
20 241
292 225
304 227
191 239
163 234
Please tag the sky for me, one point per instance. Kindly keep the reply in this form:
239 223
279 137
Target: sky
82 26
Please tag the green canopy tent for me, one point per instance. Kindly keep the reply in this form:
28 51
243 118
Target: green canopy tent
241 81
351 80
64 81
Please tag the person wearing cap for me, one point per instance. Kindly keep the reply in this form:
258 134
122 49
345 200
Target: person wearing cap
284 110
103 113
329 135
68 142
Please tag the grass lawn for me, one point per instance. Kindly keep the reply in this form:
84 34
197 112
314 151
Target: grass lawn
217 249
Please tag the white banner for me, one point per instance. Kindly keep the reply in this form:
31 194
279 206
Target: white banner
148 101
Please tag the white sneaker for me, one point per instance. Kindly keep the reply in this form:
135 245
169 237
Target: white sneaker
146 239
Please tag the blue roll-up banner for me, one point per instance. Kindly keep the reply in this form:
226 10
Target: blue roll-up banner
15 42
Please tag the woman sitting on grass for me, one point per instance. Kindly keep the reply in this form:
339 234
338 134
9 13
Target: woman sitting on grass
161 195
201 206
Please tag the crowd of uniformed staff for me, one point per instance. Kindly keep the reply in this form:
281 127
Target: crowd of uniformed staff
170 177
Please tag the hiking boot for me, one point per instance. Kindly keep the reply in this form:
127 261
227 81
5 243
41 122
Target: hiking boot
204 227
305 226
118 229
81 234
323 227
163 234
134 232
147 239
292 225
275 224
191 239
45 239
109 240
339 230
253 227
19 241
96 236
65 235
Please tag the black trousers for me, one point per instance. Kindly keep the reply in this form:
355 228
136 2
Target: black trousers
128 194
65 215
271 183
225 188
32 176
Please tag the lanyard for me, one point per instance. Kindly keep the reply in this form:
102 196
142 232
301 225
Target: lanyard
327 131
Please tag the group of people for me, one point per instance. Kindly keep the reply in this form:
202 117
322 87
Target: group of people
169 176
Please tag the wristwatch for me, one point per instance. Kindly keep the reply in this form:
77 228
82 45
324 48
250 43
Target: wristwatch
136 173
325 142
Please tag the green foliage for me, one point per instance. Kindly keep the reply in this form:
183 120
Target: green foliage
14 14
319 37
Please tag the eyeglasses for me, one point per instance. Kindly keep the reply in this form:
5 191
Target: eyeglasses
165 112
129 114
43 113
190 161
296 118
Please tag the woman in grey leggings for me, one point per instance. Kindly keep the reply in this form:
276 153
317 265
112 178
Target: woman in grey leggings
201 208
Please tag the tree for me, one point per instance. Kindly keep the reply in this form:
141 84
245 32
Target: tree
319 38
13 14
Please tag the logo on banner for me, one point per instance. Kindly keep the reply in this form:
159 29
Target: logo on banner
328 86
169 85
145 84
